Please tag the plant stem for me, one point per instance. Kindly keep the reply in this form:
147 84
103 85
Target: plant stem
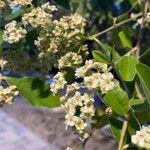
123 132
140 34
125 147
114 26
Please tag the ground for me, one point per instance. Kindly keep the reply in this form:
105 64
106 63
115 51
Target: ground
48 124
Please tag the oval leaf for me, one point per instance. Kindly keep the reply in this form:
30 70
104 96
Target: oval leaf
99 56
118 100
35 91
116 126
127 67
143 72
125 39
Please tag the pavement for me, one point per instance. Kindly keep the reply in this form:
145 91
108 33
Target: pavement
15 136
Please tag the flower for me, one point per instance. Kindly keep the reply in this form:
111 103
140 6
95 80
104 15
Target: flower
2 4
69 59
72 88
8 94
2 63
58 83
40 16
80 124
60 38
14 3
12 34
142 138
79 107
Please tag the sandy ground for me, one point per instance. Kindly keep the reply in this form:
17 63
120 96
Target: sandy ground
49 125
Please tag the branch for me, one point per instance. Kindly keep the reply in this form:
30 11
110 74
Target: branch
123 133
140 34
114 26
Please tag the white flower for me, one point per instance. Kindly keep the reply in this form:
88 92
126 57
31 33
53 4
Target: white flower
80 124
81 72
40 16
70 120
142 138
14 3
72 88
2 63
92 82
106 82
2 4
101 67
58 83
87 111
69 59
8 94
12 34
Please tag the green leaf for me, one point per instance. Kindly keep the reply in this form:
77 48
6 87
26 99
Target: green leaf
125 39
145 57
116 126
99 56
35 91
143 72
14 15
127 67
64 3
133 124
69 75
109 52
143 117
82 8
139 105
118 100
1 41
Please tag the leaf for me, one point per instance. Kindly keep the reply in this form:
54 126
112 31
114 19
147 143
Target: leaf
69 75
145 57
143 117
64 3
35 91
14 15
133 124
1 41
116 126
127 67
139 105
82 8
125 39
109 52
143 72
118 100
99 56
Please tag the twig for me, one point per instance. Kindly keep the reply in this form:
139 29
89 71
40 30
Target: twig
115 26
123 133
140 34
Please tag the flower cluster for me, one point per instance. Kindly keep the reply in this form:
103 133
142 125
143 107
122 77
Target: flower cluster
69 59
14 3
142 138
61 37
40 16
58 83
101 79
2 4
12 34
8 94
79 105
